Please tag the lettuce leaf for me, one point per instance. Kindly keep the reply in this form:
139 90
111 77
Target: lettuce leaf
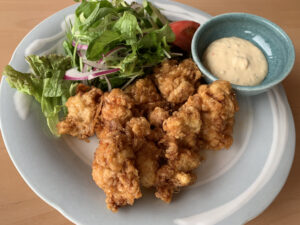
45 84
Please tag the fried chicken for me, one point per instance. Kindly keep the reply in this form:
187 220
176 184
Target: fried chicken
147 153
147 163
185 123
143 91
157 116
181 131
176 82
151 133
83 111
219 106
116 106
138 128
168 181
177 172
114 170
145 97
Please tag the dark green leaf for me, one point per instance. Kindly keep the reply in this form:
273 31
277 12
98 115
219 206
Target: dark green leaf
99 45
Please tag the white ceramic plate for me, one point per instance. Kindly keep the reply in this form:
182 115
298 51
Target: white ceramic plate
233 185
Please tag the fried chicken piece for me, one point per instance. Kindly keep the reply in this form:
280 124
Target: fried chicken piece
181 130
176 82
143 91
145 96
147 163
116 106
177 171
147 153
187 160
114 162
140 129
83 111
139 126
156 134
157 116
114 170
219 106
168 181
185 123
176 174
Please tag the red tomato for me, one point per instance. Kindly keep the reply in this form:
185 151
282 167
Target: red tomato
184 31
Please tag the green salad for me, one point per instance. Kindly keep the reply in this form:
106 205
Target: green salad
116 42
108 45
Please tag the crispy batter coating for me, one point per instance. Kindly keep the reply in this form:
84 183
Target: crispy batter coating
116 106
114 163
168 181
157 116
143 91
177 171
145 96
187 160
138 129
114 170
176 82
186 120
185 124
156 134
139 126
219 105
147 153
181 130
83 110
147 163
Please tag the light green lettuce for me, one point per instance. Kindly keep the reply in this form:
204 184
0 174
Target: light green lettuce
45 84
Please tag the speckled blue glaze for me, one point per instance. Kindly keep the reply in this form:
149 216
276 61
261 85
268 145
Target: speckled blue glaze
267 36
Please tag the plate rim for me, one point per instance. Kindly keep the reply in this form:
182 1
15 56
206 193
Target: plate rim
280 91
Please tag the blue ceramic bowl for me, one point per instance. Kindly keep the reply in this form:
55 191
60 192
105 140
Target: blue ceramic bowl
267 36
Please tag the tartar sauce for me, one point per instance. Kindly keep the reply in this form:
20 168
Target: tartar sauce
236 60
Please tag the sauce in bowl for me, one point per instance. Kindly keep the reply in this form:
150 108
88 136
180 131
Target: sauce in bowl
236 60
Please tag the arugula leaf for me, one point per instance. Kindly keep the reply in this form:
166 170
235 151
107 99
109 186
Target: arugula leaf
154 38
85 8
46 84
158 18
99 45
128 27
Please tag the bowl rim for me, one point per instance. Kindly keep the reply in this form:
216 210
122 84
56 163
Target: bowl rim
253 17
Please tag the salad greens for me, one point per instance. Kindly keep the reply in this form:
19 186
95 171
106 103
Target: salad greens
101 26
45 84
109 45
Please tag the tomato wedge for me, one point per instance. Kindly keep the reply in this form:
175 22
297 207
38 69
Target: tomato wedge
184 31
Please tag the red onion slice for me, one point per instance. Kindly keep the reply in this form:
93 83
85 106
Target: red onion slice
80 46
99 64
74 74
104 72
110 53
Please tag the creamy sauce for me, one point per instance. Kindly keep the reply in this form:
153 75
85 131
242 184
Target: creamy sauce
236 60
